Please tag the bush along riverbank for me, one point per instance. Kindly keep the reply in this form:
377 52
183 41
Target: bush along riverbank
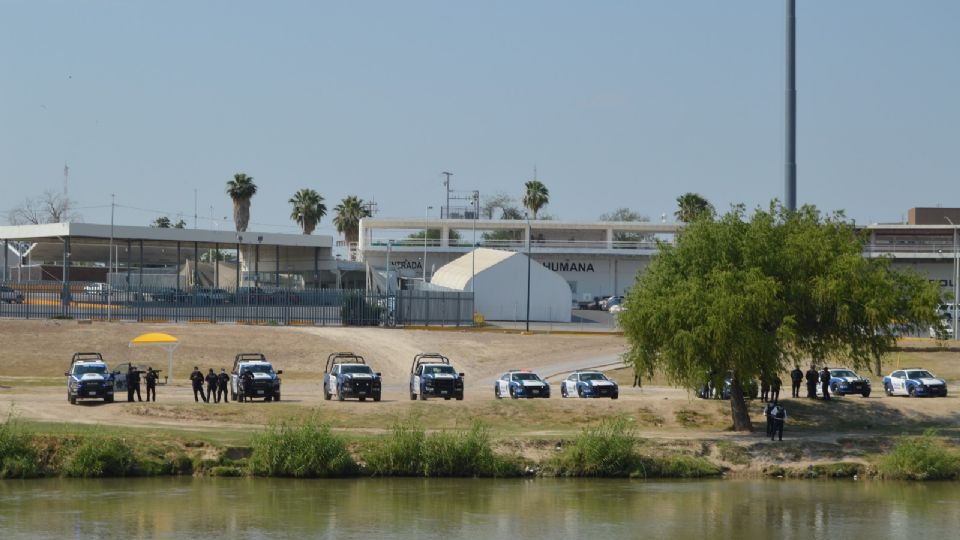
610 449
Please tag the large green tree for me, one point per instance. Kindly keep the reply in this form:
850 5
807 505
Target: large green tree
536 196
241 189
308 209
347 217
693 206
760 294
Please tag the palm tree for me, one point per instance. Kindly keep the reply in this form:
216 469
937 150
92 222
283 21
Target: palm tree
308 209
537 196
347 219
241 189
692 206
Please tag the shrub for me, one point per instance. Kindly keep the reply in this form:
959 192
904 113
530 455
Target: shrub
305 450
920 458
679 466
99 456
608 450
18 458
356 311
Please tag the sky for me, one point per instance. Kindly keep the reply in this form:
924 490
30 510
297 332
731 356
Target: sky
613 103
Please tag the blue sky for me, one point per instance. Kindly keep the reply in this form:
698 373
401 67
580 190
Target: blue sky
617 103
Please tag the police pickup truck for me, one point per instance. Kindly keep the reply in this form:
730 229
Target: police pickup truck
252 377
89 378
431 375
348 375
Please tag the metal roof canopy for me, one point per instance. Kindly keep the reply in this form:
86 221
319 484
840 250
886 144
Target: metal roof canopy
165 342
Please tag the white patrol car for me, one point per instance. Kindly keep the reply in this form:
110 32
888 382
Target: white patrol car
89 378
348 375
589 384
914 382
252 377
521 384
432 375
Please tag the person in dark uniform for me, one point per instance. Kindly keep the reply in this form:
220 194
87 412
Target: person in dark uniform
825 383
779 416
246 379
768 416
764 387
151 378
812 378
775 384
196 379
223 380
133 383
637 383
796 377
212 383
711 384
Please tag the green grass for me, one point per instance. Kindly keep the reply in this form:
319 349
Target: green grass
920 458
18 458
410 451
101 456
307 449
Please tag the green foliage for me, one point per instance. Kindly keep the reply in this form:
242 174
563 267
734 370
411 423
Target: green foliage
536 196
411 452
607 450
434 234
757 296
303 450
18 458
348 215
693 207
241 187
357 311
308 209
920 458
679 466
99 456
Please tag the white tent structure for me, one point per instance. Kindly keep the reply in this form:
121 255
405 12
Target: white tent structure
499 281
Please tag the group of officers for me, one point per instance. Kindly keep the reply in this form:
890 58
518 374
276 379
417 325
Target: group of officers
133 383
812 377
217 385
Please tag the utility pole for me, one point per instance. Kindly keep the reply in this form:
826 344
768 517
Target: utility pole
790 197
66 176
113 205
446 184
529 238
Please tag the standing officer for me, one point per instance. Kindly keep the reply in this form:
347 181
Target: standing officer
224 380
133 383
196 378
768 416
246 382
212 383
779 415
151 378
825 383
764 387
812 377
775 384
796 376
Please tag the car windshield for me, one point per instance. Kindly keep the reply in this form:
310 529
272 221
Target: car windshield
592 377
259 368
438 370
81 370
359 368
842 373
525 377
921 374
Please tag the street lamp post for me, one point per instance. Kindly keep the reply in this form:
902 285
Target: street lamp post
425 233
956 276
529 235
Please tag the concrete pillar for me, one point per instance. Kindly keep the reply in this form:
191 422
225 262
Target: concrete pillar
238 267
6 254
316 268
196 264
444 236
276 275
256 265
610 238
140 270
216 265
178 265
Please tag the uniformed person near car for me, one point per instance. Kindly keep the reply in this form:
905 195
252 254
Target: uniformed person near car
246 379
151 378
768 416
812 378
775 384
825 383
196 379
796 377
133 383
779 415
764 387
223 380
212 383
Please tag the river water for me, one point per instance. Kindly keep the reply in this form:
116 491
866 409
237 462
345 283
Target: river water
202 508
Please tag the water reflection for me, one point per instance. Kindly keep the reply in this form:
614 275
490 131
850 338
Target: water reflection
467 508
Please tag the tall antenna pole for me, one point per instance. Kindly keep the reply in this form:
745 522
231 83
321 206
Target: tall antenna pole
446 184
790 197
66 176
113 205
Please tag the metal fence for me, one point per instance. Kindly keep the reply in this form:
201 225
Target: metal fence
244 305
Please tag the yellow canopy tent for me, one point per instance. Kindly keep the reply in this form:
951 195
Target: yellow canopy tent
165 342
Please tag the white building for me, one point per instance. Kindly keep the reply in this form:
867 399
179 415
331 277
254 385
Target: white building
498 279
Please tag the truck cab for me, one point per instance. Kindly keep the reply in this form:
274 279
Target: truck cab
348 375
253 377
89 378
431 375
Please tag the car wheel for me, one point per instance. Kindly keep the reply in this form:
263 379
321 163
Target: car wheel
513 393
326 395
912 392
615 396
888 389
268 399
72 400
579 392
108 399
339 393
460 397
423 395
865 393
276 397
833 390
363 398
413 396
563 391
496 392
376 397
446 398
